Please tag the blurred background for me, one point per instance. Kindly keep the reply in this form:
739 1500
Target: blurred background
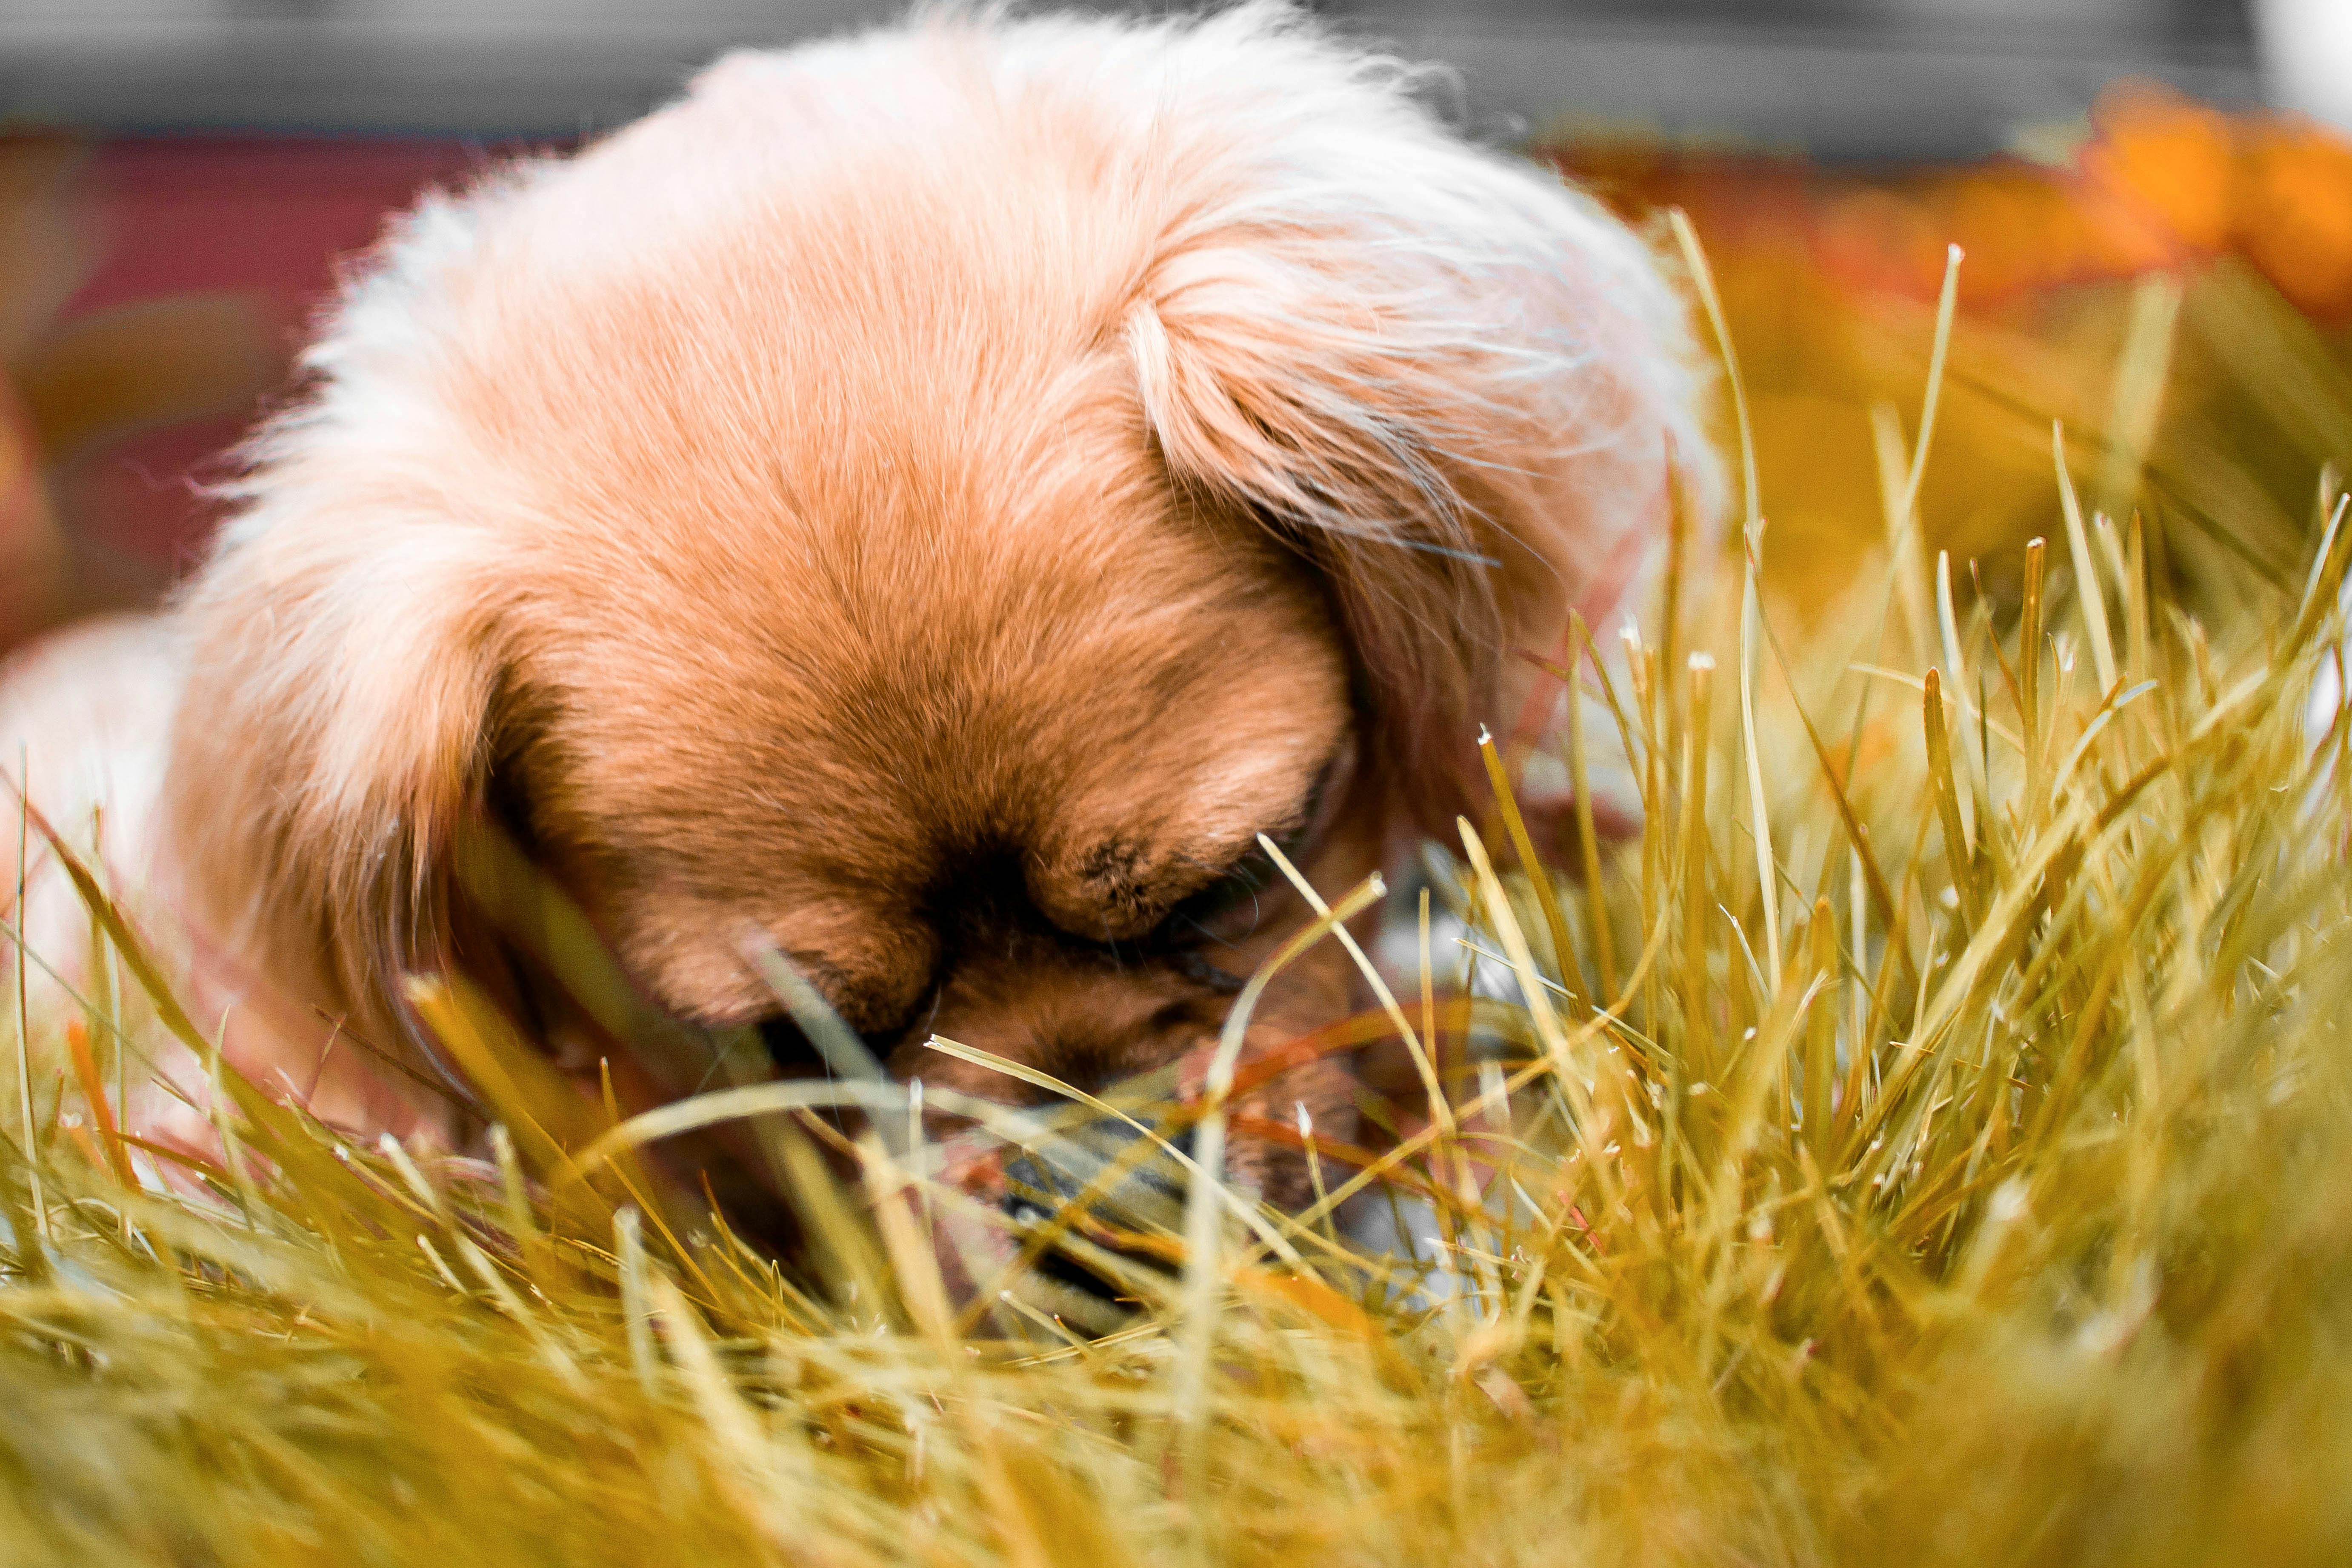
2157 212
1839 78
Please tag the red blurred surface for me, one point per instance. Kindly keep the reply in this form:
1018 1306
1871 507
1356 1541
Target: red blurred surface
196 265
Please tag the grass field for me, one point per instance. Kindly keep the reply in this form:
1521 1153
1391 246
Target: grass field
1931 1141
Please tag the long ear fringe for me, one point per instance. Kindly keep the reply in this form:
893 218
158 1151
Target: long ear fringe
1450 381
326 754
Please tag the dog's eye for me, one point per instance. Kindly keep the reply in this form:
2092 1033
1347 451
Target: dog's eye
1233 908
1252 892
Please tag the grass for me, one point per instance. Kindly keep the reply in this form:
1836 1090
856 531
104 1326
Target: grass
1930 1140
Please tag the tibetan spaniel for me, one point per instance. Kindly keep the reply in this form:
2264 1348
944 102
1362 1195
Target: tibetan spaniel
921 506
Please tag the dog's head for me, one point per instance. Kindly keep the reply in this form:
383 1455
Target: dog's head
927 503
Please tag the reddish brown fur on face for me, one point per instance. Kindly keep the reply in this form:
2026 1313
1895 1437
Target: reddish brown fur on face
928 502
849 814
825 718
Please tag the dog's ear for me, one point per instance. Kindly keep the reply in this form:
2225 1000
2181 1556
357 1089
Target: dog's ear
1449 381
334 735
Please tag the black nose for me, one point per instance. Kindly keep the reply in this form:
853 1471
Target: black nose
1131 1188
787 1046
796 1056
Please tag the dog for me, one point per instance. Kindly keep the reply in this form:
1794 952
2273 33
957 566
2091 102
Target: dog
922 505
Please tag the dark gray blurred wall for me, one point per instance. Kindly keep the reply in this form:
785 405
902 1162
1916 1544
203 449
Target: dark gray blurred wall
1844 79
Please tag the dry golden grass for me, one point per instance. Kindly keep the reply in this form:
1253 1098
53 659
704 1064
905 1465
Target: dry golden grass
1959 1168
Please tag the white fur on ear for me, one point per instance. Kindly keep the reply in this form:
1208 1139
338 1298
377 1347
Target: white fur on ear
333 735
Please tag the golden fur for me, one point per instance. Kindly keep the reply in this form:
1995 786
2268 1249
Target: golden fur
925 501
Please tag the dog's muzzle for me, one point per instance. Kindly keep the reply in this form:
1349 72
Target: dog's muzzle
1106 1198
